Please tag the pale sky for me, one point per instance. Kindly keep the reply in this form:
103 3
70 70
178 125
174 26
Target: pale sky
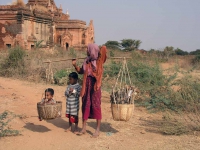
157 23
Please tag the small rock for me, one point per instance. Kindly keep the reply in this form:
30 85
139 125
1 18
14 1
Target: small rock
143 132
16 98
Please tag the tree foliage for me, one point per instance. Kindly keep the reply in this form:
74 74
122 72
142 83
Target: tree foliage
197 52
178 51
168 51
130 44
113 45
125 44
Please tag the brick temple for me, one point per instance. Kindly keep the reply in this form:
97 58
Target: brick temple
41 20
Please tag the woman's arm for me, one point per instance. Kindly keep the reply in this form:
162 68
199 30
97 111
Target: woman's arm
78 69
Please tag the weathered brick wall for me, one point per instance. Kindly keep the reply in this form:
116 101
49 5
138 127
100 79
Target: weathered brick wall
9 34
34 32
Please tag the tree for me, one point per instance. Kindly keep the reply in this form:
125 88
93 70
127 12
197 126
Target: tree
130 44
168 51
137 44
178 51
113 45
197 52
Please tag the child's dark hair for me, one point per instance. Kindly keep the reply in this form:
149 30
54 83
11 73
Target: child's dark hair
50 90
73 75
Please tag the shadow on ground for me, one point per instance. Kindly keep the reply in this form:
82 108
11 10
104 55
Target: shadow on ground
59 122
105 127
36 128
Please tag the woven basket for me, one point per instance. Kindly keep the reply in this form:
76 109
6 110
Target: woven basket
49 111
122 112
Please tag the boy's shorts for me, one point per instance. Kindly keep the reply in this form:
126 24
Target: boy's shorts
72 118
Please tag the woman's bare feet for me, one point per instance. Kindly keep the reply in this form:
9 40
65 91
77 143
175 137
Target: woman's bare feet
83 131
97 131
95 135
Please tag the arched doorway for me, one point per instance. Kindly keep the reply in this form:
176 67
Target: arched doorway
66 46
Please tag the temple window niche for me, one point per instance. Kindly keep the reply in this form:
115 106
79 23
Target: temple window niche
83 38
83 41
8 45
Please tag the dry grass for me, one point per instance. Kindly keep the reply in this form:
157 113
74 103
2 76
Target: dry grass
180 123
37 69
173 123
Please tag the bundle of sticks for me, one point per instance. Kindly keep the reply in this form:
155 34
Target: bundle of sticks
124 95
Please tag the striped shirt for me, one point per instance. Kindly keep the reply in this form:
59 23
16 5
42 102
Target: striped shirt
72 102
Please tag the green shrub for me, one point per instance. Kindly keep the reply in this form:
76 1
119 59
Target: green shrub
156 88
187 98
112 54
61 77
196 60
5 130
72 52
14 64
153 84
112 69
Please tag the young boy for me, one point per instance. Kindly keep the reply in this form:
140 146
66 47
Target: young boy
72 93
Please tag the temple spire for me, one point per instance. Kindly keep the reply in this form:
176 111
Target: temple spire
52 9
49 4
67 12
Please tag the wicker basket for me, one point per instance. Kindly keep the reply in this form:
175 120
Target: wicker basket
49 111
122 112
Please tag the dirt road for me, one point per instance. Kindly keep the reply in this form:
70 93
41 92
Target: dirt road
21 97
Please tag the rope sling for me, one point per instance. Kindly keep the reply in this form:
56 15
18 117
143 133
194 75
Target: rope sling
123 92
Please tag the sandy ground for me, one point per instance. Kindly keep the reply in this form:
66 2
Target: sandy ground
21 97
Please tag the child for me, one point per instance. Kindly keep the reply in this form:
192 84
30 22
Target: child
72 93
49 93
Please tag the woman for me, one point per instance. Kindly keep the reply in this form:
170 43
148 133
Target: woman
91 89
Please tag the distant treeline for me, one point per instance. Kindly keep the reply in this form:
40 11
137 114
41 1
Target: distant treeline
131 45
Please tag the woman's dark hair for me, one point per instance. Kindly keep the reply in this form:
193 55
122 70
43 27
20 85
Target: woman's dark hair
50 90
73 75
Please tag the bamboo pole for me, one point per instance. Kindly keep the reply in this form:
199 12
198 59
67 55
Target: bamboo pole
84 58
